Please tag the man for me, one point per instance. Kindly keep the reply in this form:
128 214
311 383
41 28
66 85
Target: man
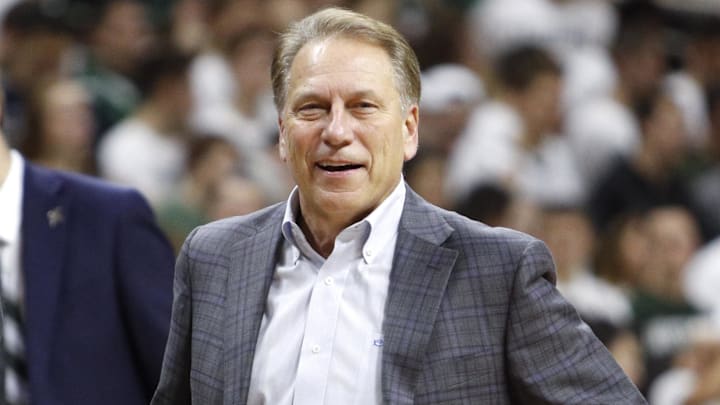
86 285
356 291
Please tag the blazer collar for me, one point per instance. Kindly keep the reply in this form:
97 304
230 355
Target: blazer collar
421 269
45 215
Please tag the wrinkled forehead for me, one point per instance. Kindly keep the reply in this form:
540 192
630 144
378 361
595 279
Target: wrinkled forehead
340 54
341 62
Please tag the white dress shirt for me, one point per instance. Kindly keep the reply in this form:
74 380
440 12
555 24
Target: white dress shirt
11 194
321 340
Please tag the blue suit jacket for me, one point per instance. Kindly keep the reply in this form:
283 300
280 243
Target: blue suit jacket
98 291
472 317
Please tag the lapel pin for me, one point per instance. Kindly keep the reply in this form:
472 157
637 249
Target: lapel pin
55 216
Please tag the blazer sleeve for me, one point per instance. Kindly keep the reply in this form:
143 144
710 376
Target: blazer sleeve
174 385
144 273
553 356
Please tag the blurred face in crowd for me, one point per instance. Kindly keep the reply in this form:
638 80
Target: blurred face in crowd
673 239
250 60
67 118
569 235
174 91
665 132
234 195
125 35
343 130
633 250
540 103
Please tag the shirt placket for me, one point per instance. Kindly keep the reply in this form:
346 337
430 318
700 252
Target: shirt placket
322 318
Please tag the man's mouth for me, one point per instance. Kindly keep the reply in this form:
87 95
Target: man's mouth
338 167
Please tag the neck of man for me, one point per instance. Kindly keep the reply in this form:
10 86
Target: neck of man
321 230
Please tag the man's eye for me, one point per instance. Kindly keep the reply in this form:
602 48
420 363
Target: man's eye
310 110
365 106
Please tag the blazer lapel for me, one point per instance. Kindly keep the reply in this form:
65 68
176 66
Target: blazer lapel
418 279
45 214
251 271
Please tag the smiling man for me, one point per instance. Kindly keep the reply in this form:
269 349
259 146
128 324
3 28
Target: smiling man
357 291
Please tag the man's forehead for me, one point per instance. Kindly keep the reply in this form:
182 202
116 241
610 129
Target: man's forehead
340 52
321 62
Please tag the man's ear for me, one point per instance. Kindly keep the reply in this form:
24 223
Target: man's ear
410 132
282 144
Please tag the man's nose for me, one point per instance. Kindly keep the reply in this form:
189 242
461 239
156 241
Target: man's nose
338 131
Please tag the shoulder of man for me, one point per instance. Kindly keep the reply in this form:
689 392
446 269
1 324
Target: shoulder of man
84 189
220 235
467 233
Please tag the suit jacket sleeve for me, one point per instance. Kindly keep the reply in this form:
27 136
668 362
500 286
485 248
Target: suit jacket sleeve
174 385
144 273
553 356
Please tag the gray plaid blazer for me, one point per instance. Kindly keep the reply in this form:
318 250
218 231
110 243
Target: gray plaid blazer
472 317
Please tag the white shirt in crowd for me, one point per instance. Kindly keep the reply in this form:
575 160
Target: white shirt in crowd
321 340
490 150
134 154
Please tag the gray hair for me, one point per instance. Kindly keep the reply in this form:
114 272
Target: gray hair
336 22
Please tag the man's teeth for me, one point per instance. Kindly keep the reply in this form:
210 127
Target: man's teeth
338 168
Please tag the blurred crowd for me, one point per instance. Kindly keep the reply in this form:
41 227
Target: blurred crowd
592 124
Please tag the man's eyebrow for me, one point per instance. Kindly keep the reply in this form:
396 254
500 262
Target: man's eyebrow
304 95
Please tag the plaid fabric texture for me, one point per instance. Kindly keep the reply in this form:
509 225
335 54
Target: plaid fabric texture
472 317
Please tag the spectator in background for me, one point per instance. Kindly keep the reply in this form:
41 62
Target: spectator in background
61 127
147 149
451 92
487 203
622 250
235 195
650 176
638 52
701 280
705 185
209 160
694 379
665 320
188 25
211 76
512 141
569 234
34 48
119 39
604 128
86 288
249 119
700 70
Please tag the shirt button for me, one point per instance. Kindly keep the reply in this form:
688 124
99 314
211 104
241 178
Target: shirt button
316 349
329 281
368 252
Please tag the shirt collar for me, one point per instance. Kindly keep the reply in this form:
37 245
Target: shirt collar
11 192
382 222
